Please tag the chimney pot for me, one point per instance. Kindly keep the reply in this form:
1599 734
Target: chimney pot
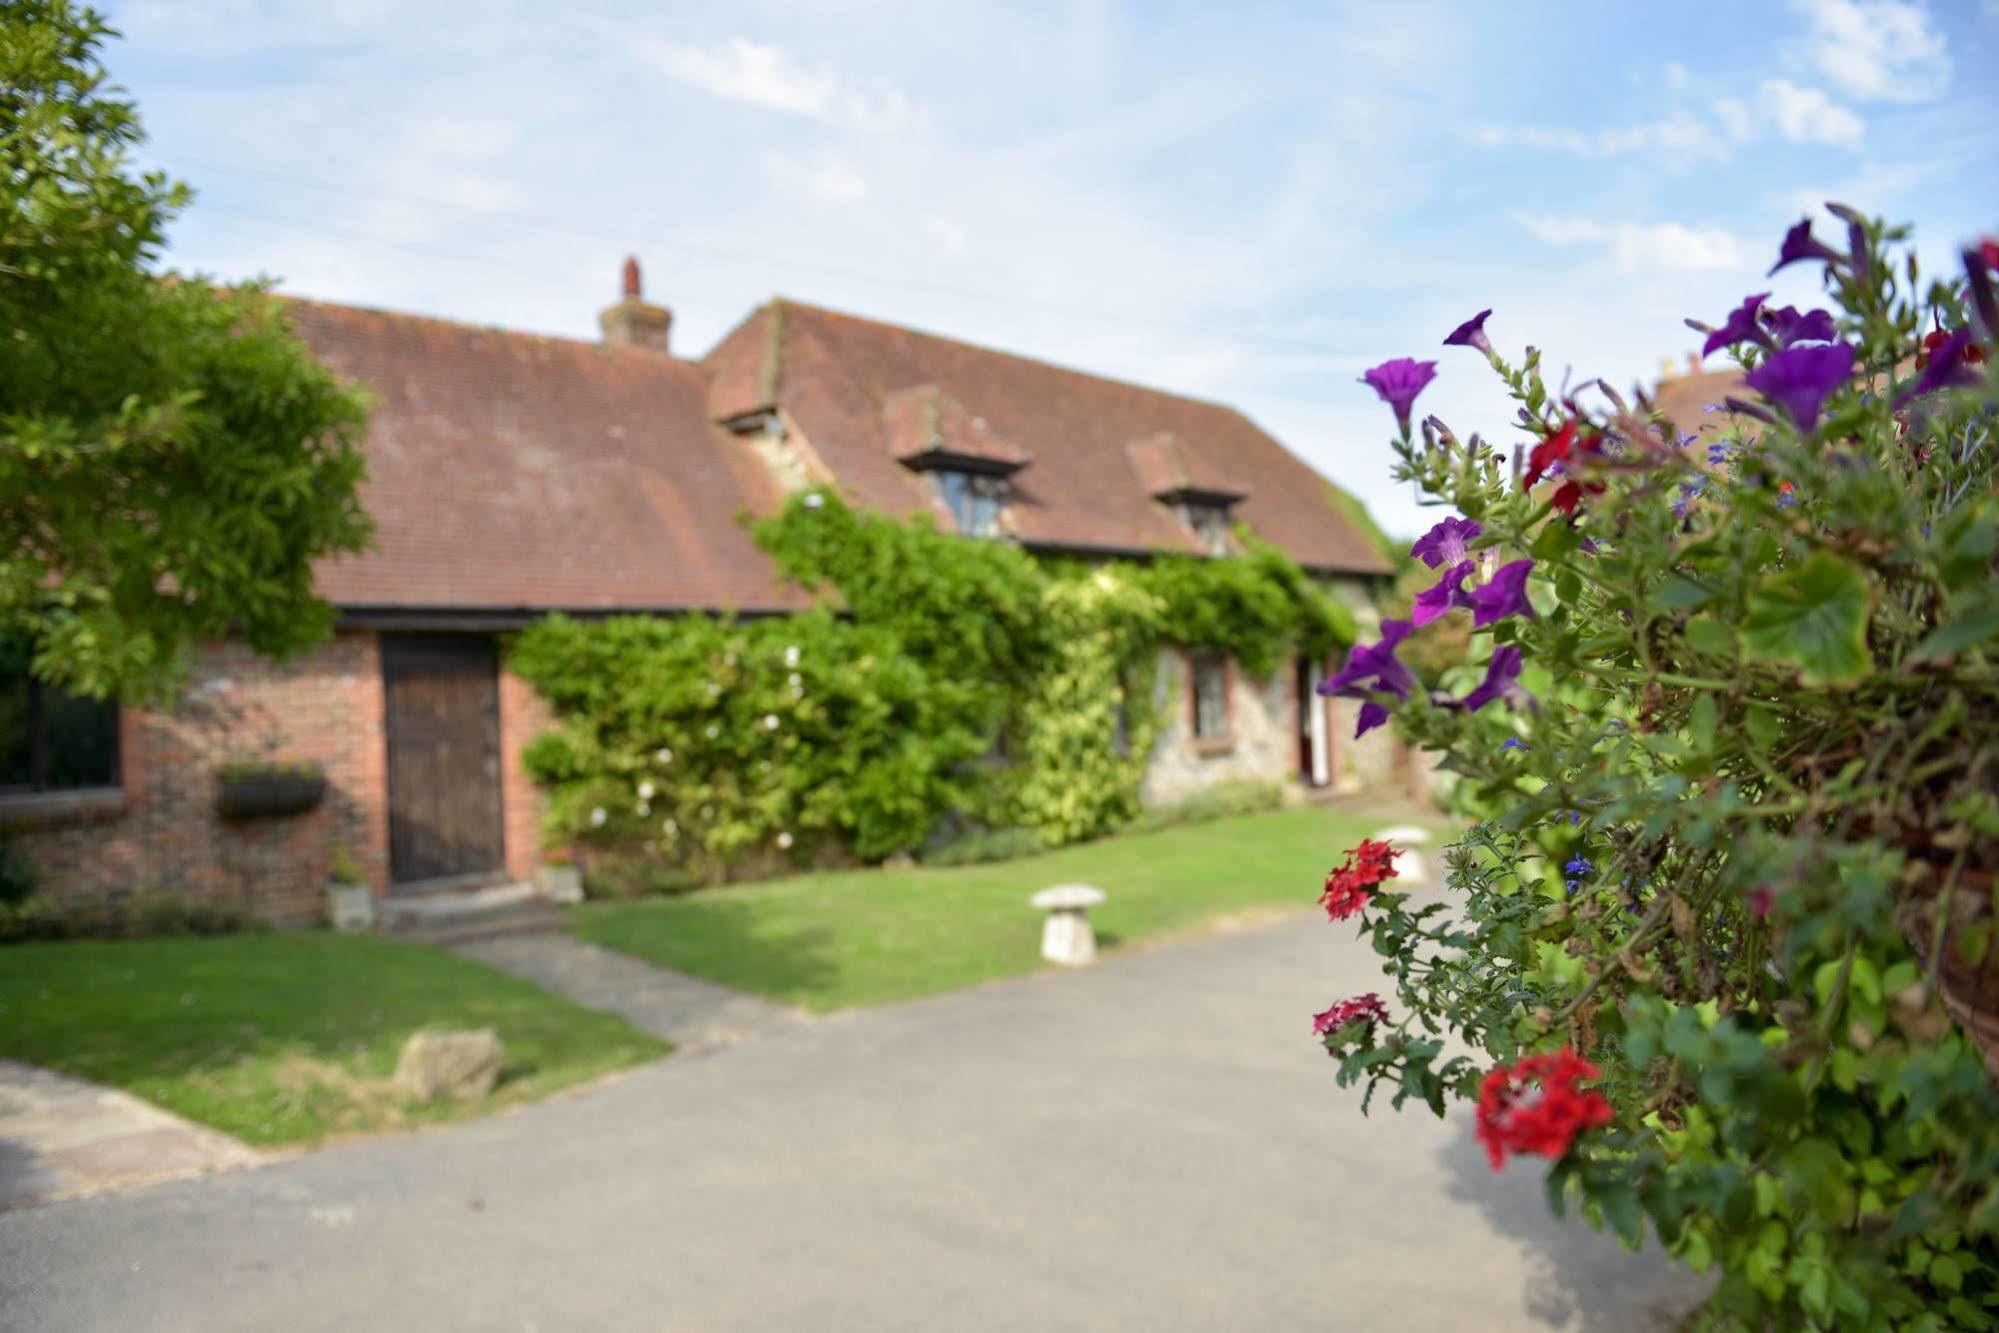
633 321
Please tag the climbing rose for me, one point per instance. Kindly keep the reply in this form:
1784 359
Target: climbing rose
1471 333
1398 382
1368 1007
1446 543
1347 887
1505 595
1800 378
1547 1125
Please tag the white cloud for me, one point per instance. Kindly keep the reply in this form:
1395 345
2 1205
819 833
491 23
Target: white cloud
836 183
741 70
1677 77
1637 245
1736 119
950 237
1884 50
1679 134
1806 115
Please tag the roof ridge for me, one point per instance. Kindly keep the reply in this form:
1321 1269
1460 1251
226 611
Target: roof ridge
989 350
417 317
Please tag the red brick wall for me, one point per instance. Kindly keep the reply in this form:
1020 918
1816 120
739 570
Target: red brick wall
523 716
166 834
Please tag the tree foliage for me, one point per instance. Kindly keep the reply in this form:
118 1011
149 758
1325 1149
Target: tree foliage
171 460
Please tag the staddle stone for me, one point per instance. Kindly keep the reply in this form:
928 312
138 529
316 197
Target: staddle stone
1067 937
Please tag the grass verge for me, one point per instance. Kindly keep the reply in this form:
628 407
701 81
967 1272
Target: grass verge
850 938
288 1038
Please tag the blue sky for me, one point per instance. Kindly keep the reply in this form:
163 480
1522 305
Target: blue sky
1251 203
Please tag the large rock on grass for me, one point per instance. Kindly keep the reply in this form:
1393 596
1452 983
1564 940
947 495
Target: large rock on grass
458 1065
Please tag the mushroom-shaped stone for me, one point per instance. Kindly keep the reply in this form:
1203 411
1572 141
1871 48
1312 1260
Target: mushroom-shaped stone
1409 866
1067 937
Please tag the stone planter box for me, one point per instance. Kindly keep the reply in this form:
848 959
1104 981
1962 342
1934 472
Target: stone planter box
257 795
562 884
350 907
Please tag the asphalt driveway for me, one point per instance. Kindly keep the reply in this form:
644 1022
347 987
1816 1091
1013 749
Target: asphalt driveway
1152 1144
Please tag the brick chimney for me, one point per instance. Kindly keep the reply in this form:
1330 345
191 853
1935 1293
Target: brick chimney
632 320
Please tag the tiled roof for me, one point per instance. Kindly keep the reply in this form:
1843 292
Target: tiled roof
514 472
1693 402
926 421
835 376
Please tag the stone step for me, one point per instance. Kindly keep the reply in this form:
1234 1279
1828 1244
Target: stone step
454 918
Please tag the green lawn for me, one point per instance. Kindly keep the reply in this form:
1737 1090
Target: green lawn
835 941
287 1038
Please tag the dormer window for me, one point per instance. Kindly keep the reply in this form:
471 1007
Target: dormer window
973 498
1209 523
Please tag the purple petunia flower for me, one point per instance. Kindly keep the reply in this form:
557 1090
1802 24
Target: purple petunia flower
1502 676
1741 326
1947 369
1370 668
1513 743
1800 378
1398 382
1800 244
1787 326
1448 592
1505 595
1446 543
1471 333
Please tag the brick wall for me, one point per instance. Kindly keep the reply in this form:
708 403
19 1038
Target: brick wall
164 833
523 716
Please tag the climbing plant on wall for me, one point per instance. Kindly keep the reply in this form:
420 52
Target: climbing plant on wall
864 722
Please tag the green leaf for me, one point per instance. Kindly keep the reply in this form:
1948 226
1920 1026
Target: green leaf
1960 634
1709 635
1813 618
1568 585
1678 593
1701 722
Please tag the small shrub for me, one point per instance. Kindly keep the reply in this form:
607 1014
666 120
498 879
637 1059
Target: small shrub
986 845
621 876
342 868
17 876
142 916
1223 800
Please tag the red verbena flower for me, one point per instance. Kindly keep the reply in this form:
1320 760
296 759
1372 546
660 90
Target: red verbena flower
1368 1007
1348 887
1510 1121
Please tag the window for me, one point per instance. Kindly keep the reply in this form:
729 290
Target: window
51 740
973 499
1211 697
1210 523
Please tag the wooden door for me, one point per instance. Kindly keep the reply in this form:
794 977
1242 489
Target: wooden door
443 703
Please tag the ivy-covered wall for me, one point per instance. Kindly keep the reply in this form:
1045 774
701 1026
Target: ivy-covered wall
870 723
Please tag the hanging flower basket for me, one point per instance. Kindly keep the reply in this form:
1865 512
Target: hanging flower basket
260 790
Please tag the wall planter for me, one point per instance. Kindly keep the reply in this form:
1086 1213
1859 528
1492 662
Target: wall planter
254 791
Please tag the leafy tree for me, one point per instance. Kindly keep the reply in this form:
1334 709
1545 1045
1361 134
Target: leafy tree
172 461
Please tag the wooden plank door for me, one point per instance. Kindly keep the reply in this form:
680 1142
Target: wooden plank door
443 703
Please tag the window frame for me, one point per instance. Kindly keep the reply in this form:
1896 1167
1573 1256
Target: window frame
1209 522
1198 661
37 786
974 499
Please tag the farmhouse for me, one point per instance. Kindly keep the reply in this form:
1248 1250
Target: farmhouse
512 475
